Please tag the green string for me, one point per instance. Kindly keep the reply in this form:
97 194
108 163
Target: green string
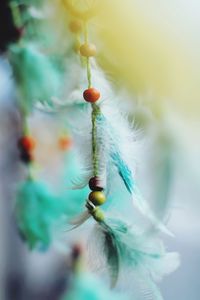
88 66
95 112
89 75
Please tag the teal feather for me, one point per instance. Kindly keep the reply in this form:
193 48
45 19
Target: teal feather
38 78
123 170
37 212
28 2
109 136
87 287
135 252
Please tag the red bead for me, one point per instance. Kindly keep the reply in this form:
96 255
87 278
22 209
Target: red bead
91 95
27 143
95 184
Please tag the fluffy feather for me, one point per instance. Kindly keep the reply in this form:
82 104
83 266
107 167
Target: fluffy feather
38 78
127 250
37 212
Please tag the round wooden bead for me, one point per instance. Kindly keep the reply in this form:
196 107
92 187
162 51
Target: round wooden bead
98 215
27 143
91 95
88 50
95 184
97 198
75 26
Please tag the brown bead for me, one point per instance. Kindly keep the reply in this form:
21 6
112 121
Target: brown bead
95 184
97 198
26 157
91 95
88 50
75 26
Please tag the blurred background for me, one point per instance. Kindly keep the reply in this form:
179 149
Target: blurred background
157 44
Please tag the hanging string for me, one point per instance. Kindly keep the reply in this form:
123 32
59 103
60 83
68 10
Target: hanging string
88 66
95 110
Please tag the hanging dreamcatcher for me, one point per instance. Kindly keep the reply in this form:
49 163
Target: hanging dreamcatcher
106 143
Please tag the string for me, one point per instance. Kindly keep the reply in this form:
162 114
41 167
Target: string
95 112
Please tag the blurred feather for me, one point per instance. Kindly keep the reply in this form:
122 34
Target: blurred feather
37 212
85 286
38 78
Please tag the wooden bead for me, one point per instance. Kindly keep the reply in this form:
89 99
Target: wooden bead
65 142
97 198
95 184
88 50
75 26
91 95
27 143
98 215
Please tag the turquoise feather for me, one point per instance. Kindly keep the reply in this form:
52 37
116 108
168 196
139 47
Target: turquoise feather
37 212
123 170
28 2
87 287
125 249
38 78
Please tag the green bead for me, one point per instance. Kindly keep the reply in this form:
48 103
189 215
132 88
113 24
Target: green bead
98 215
97 198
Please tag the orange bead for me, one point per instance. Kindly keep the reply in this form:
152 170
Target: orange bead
65 143
91 95
88 50
75 26
27 143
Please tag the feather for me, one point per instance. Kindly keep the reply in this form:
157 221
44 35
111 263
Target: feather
28 2
37 212
38 78
86 286
79 220
125 171
128 250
